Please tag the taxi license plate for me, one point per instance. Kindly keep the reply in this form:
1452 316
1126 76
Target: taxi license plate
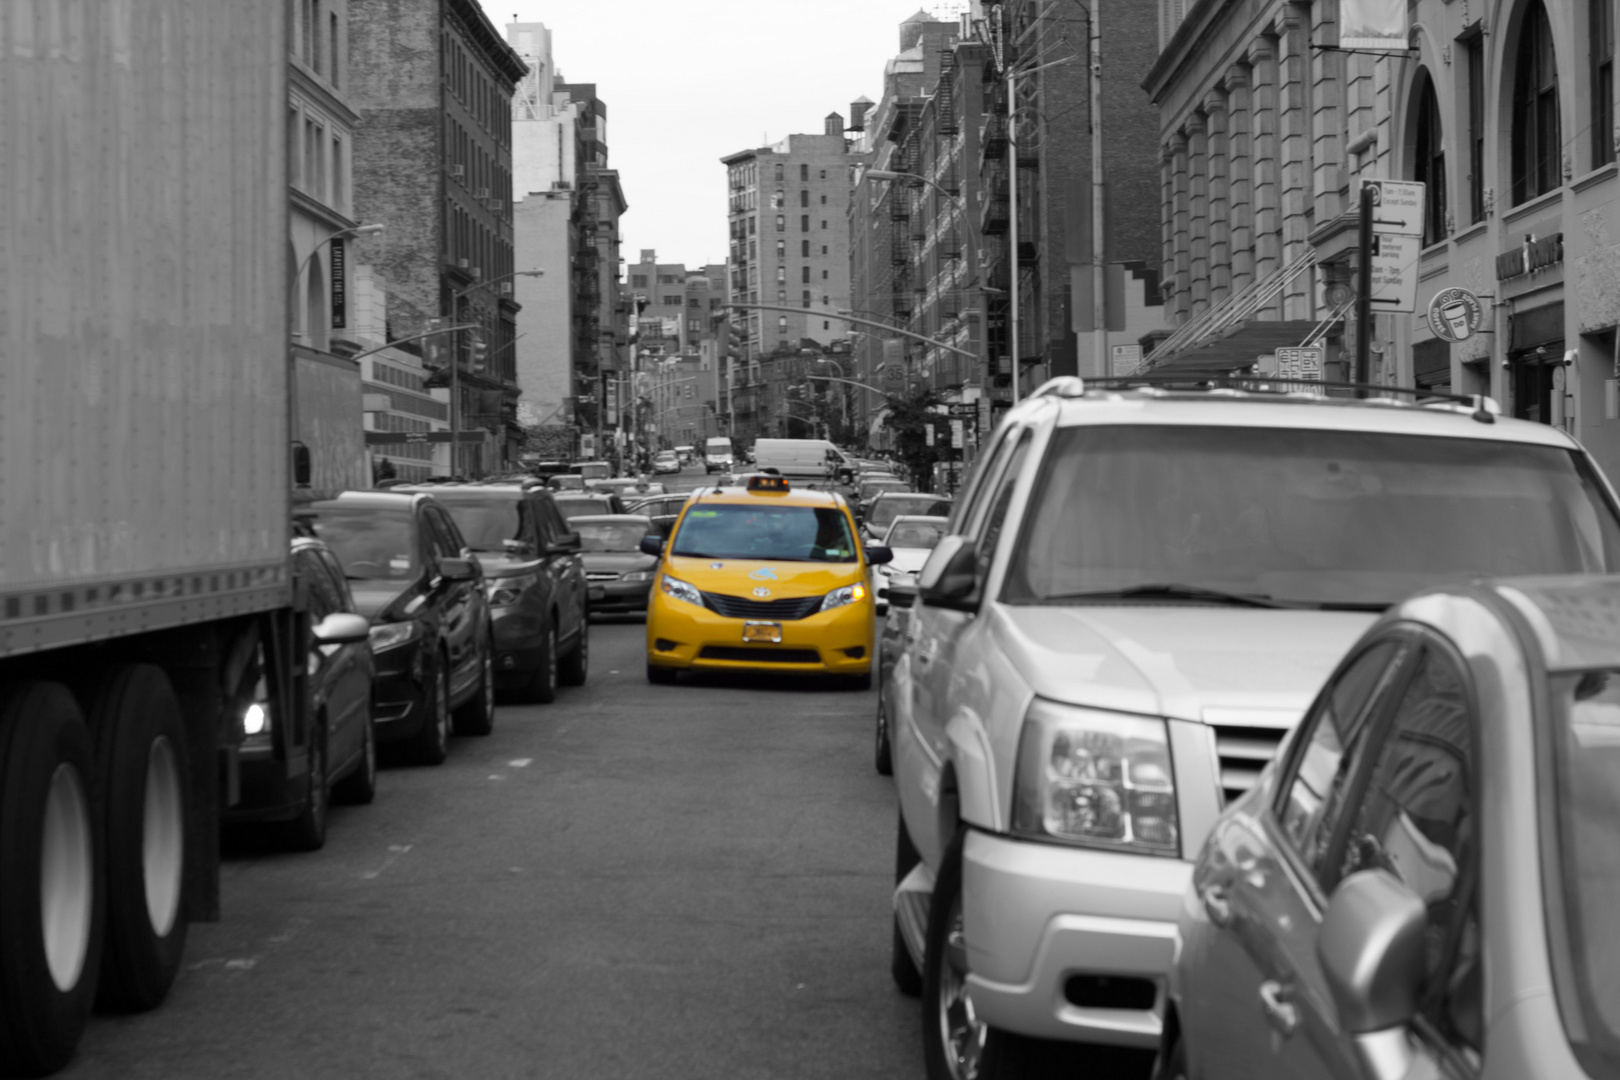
770 632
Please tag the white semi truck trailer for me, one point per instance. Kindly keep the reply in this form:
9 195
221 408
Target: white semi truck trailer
144 483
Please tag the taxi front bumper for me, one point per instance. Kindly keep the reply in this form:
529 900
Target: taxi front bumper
684 636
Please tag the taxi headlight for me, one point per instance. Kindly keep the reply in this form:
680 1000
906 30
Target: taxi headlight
1095 779
504 591
637 575
849 594
390 635
681 590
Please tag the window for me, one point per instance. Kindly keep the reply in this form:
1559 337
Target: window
804 223
806 300
824 249
781 249
824 200
781 322
781 274
999 503
804 172
672 301
824 174
781 223
781 296
337 174
1537 153
804 197
804 248
1429 163
751 222
777 199
824 275
779 171
1601 38
638 281
823 223
1475 47
332 51
804 274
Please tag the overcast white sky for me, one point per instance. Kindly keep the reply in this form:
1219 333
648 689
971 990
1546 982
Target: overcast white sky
686 83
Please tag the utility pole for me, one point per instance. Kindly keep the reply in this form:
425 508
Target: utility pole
1099 249
1012 226
1364 292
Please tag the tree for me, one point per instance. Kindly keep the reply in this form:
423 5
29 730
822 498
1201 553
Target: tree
908 416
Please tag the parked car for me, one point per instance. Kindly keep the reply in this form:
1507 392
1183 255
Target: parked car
292 764
912 538
620 573
663 510
1142 591
591 470
666 461
866 491
535 581
629 487
897 599
573 504
1423 883
412 575
566 482
803 459
686 454
886 506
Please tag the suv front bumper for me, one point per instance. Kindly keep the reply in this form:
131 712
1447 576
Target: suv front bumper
1036 915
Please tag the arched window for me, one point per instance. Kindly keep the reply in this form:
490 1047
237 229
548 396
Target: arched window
1537 157
1429 162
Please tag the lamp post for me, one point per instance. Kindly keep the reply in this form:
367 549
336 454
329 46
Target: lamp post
455 362
356 230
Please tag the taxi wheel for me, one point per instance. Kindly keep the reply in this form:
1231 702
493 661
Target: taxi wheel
859 683
660 676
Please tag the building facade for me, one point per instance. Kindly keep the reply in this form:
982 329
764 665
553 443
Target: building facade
433 81
322 247
1504 110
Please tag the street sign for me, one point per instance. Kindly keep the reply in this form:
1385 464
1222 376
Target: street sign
1301 363
956 434
1394 272
1455 314
386 438
1397 207
984 420
1125 359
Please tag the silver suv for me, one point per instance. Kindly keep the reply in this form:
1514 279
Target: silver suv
1142 591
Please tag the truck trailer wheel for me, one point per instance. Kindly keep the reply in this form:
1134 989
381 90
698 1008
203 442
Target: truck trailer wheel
141 757
50 896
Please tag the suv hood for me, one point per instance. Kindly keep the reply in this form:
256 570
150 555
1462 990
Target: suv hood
739 577
1178 661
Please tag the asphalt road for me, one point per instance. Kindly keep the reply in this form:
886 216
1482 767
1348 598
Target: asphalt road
633 882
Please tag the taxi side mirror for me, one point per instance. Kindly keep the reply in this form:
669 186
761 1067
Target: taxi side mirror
652 545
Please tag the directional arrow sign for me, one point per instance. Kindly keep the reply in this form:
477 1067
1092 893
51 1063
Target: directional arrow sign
1394 272
1397 207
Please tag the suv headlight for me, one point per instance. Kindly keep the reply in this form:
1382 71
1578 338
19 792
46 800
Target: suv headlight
636 575
390 635
681 590
849 594
1095 778
503 591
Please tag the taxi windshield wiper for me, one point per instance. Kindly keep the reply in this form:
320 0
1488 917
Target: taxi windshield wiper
1170 591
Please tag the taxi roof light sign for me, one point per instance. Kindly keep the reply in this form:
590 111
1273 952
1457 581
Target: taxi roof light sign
767 483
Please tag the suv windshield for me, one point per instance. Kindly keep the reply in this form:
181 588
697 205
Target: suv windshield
1586 933
755 531
1303 516
618 535
487 519
369 543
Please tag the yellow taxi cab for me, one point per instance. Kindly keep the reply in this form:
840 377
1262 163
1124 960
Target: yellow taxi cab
762 577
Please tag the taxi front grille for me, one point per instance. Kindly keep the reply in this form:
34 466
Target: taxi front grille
1243 752
740 607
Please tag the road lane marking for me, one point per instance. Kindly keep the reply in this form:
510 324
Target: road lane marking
394 853
521 763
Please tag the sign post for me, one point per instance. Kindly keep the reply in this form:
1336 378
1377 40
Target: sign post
1391 236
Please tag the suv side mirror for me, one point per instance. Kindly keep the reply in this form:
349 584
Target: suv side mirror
342 628
901 594
950 577
517 548
652 545
458 569
1373 956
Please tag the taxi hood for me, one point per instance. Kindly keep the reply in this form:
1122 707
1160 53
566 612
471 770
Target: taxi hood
1185 662
784 578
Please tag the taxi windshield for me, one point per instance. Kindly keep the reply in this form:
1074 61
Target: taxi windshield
765 531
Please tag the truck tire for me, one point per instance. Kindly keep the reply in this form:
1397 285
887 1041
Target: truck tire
51 905
431 744
141 751
576 666
477 714
307 831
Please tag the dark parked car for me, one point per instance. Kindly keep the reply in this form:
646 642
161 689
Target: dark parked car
663 510
294 760
620 572
573 504
414 578
534 579
879 513
868 490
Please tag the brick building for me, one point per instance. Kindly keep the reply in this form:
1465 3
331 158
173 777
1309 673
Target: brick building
433 83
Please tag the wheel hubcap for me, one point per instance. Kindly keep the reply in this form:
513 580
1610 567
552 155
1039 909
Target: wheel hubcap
67 878
962 1032
163 836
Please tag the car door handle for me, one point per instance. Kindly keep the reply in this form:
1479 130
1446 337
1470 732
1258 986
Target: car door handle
1281 1013
1217 904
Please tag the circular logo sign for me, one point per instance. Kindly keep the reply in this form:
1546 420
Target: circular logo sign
762 592
1455 314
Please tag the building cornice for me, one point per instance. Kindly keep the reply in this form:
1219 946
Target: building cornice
311 207
1186 45
305 83
483 33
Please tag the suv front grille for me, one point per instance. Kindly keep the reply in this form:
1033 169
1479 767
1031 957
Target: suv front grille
1243 752
740 607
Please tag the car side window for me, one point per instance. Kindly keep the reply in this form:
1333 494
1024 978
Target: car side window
555 526
1333 735
970 512
339 582
447 541
1000 501
322 600
961 513
1417 821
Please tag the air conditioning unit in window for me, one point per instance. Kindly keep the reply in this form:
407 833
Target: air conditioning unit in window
483 193
477 273
506 288
462 263
493 204
458 171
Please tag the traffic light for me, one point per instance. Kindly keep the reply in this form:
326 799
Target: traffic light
734 340
480 354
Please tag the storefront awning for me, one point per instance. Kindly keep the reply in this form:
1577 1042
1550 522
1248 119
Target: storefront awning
1237 346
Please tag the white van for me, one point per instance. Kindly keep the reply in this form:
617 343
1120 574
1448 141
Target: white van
813 459
717 454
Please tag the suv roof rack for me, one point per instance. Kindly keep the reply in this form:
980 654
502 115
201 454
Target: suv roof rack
1479 407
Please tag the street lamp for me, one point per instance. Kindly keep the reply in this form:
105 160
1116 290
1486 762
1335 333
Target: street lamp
455 361
355 230
843 400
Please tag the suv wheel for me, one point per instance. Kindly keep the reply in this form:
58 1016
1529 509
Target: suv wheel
542 686
432 743
477 714
576 666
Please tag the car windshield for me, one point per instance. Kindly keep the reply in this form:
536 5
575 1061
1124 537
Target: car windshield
763 531
369 543
874 486
573 508
1587 937
487 522
888 507
622 535
1306 516
916 534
